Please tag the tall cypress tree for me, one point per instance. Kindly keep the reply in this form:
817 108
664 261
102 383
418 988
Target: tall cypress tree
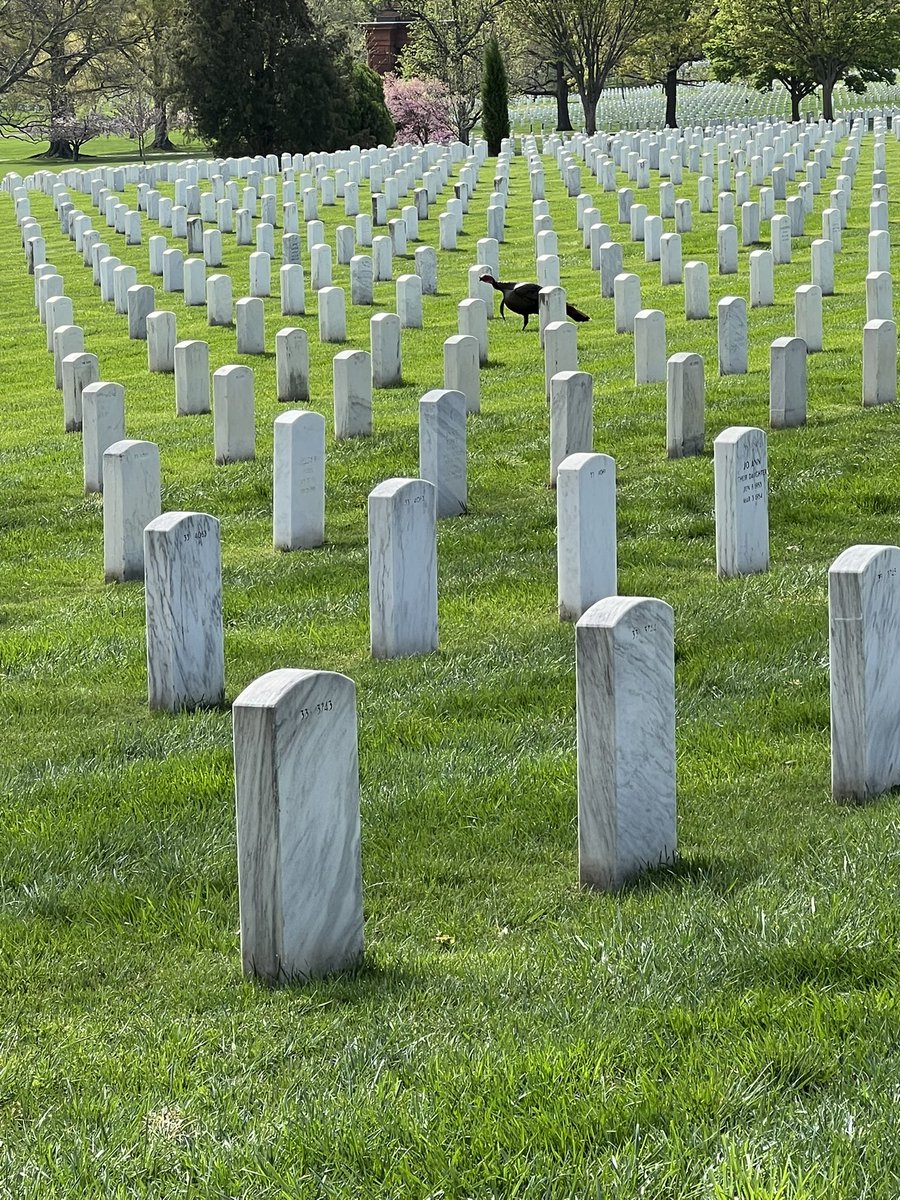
494 97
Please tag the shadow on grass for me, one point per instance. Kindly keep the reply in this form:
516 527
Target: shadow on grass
718 875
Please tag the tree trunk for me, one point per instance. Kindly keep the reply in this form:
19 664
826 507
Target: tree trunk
827 103
796 97
161 139
671 90
589 99
59 148
563 123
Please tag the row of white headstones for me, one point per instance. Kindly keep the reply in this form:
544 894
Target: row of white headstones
626 809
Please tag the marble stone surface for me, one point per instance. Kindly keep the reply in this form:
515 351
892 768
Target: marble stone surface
409 301
293 290
67 339
78 370
212 247
787 383
472 322
610 267
183 592
103 422
879 296
864 651
879 362
670 258
762 278
402 568
742 501
822 253
298 472
191 363
696 291
291 365
298 825
442 449
58 311
161 337
157 247
194 277
732 335
749 223
571 417
352 379
234 420
586 532
384 331
625 702
649 346
627 301
685 405
461 369
808 316
727 246
250 325
879 250
132 498
141 301
173 271
560 351
426 269
218 300
361 279
332 315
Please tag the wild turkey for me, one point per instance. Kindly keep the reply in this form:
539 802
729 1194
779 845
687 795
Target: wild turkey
522 298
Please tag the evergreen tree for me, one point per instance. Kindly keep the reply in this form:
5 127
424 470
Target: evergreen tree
259 77
494 98
368 121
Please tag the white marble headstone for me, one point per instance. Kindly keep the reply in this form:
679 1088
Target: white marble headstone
742 501
586 532
298 489
298 825
183 589
625 700
402 568
132 498
864 646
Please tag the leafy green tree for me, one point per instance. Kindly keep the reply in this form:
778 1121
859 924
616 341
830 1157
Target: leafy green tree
589 37
494 97
368 121
446 42
675 40
812 43
259 78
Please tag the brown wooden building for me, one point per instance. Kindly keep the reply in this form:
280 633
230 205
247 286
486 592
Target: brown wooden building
385 38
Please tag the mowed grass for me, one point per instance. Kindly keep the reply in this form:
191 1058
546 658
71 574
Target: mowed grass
727 1028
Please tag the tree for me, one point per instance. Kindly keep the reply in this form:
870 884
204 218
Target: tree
70 130
446 42
57 59
494 97
419 109
730 59
135 117
589 37
811 42
675 40
259 78
368 120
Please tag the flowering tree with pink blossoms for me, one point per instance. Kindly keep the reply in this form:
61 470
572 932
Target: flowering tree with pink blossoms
419 109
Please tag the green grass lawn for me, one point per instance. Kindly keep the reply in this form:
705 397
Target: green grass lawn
727 1028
